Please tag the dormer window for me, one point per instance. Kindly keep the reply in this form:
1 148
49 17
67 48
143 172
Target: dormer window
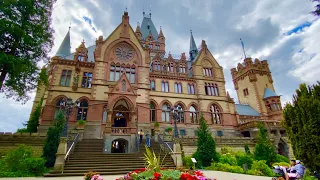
182 69
81 56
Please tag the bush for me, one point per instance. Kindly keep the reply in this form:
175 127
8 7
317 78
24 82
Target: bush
35 166
14 159
285 164
280 158
247 149
225 167
228 159
53 139
260 168
243 158
226 150
187 162
15 174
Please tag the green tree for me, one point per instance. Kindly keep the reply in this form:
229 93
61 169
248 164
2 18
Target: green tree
206 150
264 149
302 122
33 123
246 149
316 12
26 38
53 139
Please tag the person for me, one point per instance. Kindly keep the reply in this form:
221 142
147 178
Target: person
296 171
148 139
141 135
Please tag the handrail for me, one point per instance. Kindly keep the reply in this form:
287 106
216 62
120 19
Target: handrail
70 150
164 145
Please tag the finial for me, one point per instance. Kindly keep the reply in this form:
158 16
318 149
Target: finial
83 41
150 12
126 9
138 24
70 26
191 31
160 28
143 10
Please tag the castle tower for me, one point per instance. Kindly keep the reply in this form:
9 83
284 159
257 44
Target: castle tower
254 85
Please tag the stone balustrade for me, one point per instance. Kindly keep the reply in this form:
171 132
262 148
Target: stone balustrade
122 130
228 141
254 123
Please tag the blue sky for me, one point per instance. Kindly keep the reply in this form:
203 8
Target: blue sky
282 32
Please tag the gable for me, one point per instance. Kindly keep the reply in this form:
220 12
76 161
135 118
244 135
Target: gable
123 86
205 57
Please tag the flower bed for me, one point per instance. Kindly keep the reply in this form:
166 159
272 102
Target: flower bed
145 174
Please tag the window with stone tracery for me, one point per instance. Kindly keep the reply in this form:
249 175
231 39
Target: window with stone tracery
178 87
82 110
215 114
156 66
191 89
117 70
165 113
152 112
207 72
164 86
182 68
211 89
81 56
193 115
86 80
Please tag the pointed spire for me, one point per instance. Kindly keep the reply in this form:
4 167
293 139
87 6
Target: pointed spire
193 47
160 33
65 46
138 28
150 12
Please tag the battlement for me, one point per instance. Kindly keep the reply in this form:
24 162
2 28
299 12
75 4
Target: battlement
248 65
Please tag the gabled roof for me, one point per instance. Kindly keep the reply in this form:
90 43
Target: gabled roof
247 110
147 26
269 93
90 54
65 46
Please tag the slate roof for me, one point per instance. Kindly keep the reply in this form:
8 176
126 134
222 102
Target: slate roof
64 48
147 26
269 93
247 110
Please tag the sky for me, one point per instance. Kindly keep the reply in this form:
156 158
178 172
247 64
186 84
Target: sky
282 32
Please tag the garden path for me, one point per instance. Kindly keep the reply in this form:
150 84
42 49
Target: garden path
210 174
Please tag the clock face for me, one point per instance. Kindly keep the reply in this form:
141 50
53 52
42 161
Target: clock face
124 52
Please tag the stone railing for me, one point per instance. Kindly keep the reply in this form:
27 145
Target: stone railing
122 130
228 141
254 123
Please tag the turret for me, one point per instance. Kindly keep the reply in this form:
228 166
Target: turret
193 51
161 40
138 31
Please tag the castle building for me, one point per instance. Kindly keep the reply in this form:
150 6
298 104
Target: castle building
128 81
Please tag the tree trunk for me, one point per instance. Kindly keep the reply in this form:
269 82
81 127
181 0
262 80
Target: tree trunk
2 77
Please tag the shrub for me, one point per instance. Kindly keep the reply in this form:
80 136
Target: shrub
264 149
33 123
14 159
285 164
260 168
247 149
225 167
243 158
81 122
35 166
15 174
226 150
53 139
206 147
168 129
187 162
280 158
228 159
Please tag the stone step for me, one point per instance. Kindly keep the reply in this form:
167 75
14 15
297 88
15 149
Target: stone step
127 169
92 164
120 166
118 159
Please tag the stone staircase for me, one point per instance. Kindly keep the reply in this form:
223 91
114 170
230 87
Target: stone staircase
88 156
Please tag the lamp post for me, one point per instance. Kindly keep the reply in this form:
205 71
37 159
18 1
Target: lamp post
66 105
175 112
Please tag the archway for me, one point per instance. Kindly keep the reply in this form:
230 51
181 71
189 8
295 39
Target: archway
282 149
120 115
119 146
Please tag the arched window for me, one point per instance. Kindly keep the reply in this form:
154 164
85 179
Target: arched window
215 114
156 66
59 103
123 84
211 89
180 114
165 113
171 67
193 115
117 70
207 72
152 112
80 56
178 87
82 110
152 85
164 86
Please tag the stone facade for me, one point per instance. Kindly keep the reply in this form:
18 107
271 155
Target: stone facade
127 81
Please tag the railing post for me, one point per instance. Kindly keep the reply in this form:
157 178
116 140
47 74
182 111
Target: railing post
60 155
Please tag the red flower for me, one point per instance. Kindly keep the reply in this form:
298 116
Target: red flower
136 171
157 175
198 173
143 169
186 176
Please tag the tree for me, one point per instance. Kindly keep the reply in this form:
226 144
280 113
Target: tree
317 11
33 123
206 150
302 122
264 149
53 139
26 38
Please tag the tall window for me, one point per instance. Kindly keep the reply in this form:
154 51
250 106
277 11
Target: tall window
207 72
123 84
117 70
65 78
152 85
164 86
215 114
82 110
180 114
193 114
191 89
80 56
156 66
152 112
171 67
86 80
178 87
245 92
58 107
182 68
165 113
211 89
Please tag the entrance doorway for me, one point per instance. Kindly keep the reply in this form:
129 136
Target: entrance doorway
119 146
120 114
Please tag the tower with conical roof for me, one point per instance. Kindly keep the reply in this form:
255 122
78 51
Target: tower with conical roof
64 49
193 51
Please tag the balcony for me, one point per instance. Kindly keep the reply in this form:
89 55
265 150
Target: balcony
123 130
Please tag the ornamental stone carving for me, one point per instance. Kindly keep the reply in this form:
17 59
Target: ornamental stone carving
124 52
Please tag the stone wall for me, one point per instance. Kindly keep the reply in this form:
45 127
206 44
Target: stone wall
9 141
189 144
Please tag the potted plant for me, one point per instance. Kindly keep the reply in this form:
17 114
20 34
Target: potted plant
156 126
81 124
169 130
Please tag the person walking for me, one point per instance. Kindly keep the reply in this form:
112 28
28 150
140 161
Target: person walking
141 135
148 139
